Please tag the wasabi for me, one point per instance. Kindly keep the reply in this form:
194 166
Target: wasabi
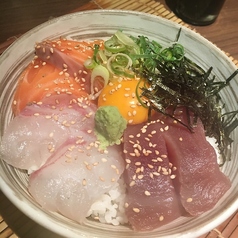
109 125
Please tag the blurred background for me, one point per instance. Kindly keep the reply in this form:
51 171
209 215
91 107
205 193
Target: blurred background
19 16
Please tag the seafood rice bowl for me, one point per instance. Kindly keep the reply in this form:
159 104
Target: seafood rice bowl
119 124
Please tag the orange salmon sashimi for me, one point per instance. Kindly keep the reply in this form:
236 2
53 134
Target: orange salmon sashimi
41 80
79 50
66 55
58 68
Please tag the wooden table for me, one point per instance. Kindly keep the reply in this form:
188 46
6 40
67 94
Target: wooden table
16 17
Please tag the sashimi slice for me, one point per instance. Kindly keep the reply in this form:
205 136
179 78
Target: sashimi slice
40 80
76 176
78 50
40 129
69 56
196 180
151 200
59 69
66 63
199 182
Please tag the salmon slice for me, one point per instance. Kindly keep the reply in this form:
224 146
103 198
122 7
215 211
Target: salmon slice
41 80
79 50
58 69
66 63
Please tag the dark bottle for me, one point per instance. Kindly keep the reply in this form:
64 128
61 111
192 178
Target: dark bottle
196 12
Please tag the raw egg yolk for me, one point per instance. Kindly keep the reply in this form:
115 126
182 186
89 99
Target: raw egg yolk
121 92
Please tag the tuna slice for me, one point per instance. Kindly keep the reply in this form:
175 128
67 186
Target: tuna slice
39 130
164 159
151 199
76 176
199 181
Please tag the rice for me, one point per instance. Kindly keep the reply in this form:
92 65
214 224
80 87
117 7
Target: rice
214 144
110 207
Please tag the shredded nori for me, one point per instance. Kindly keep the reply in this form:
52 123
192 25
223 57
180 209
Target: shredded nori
175 81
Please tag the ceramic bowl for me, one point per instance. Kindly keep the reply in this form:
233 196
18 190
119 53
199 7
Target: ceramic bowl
102 24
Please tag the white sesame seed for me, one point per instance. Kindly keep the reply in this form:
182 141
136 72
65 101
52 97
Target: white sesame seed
189 200
104 160
84 182
136 210
156 152
156 173
138 170
132 183
128 161
161 218
172 176
51 134
129 114
147 193
143 130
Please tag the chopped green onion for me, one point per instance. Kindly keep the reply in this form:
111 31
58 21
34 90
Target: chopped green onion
127 41
100 75
90 64
114 46
120 64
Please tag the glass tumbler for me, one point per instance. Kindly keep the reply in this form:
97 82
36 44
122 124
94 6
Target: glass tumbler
196 12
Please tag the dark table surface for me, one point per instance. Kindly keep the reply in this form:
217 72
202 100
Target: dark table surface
18 16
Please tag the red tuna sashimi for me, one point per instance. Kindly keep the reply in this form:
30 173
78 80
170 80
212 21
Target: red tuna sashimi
193 168
199 180
151 199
